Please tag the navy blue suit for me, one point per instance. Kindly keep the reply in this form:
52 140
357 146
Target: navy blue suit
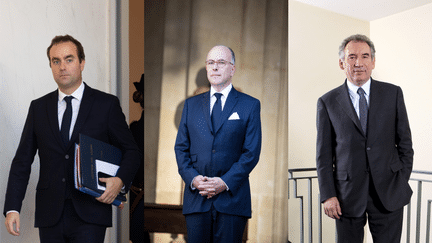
230 152
99 117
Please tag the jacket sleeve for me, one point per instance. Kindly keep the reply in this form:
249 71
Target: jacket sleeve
20 169
121 137
182 149
403 136
325 153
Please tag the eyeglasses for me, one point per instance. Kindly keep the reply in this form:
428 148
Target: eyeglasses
220 63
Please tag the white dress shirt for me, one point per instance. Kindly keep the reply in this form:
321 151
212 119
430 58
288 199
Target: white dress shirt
224 96
76 102
355 97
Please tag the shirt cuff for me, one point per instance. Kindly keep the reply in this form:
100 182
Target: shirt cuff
191 185
12 211
227 188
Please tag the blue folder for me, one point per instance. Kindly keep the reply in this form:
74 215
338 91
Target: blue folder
95 159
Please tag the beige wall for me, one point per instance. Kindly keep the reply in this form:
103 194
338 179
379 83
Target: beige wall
403 58
257 32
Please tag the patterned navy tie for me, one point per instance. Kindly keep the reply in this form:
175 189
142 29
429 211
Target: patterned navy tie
66 121
363 108
217 110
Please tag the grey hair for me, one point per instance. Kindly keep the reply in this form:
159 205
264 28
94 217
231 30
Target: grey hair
232 53
356 38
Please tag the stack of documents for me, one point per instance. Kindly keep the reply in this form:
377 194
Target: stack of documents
95 159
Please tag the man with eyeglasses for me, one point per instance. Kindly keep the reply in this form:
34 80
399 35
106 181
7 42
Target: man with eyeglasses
218 144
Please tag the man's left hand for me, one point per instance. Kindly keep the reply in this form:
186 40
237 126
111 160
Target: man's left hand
212 187
113 187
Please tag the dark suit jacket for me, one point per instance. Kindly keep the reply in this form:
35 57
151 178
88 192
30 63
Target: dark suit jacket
99 117
230 152
344 152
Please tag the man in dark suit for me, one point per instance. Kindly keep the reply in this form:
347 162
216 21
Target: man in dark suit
218 144
54 121
364 149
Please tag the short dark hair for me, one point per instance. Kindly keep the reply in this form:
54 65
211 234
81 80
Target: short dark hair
66 38
356 38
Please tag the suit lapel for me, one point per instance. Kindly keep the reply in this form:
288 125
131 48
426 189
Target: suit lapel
85 107
228 107
345 102
52 112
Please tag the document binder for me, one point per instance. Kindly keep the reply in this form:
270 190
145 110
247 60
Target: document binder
95 159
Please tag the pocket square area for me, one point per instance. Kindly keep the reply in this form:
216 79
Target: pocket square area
234 116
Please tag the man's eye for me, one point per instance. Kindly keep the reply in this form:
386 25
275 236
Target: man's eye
222 62
211 63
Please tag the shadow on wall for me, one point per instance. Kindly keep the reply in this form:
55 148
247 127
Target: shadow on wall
202 86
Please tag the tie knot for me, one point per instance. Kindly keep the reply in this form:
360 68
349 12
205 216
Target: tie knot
218 95
68 99
360 91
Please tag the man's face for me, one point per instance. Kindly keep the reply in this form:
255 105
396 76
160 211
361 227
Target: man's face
66 67
220 77
358 63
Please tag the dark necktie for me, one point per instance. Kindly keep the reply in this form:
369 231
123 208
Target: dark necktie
363 108
66 121
217 110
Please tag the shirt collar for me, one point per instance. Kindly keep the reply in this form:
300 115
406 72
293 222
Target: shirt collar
224 92
366 87
78 94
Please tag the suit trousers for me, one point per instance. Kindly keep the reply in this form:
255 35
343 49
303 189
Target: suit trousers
385 226
72 229
214 227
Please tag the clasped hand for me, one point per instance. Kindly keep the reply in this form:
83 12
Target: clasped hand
209 186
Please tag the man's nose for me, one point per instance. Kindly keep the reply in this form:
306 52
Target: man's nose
62 66
358 62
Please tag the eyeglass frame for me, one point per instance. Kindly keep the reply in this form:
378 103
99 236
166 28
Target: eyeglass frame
218 62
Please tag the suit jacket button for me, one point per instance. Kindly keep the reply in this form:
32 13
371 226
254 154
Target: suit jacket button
67 156
63 180
368 148
213 151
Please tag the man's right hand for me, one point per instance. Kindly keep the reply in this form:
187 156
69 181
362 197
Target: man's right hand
198 180
332 208
12 220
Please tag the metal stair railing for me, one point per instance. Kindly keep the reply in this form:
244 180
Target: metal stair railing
417 176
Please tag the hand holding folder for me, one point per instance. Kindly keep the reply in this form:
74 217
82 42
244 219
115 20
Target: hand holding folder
113 188
96 163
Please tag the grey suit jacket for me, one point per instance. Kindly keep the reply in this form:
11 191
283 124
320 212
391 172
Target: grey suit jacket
349 161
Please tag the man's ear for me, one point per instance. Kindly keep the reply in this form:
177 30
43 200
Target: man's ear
82 64
233 70
341 64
